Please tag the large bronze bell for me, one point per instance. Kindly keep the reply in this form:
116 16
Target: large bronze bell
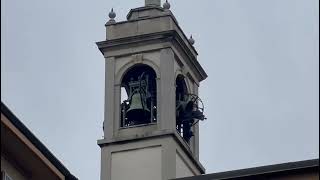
138 112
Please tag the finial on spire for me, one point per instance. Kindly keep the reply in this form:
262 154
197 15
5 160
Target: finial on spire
112 15
191 40
153 3
166 5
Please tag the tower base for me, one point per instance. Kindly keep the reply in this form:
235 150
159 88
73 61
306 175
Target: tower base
148 157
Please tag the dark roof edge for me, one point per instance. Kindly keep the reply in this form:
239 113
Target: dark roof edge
36 142
277 168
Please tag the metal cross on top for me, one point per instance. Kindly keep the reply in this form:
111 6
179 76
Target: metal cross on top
153 2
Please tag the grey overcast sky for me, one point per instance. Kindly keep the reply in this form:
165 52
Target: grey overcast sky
261 96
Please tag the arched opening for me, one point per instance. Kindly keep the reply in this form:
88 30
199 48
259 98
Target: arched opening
181 93
181 88
138 96
189 109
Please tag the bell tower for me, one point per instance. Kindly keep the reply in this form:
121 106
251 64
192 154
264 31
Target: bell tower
152 108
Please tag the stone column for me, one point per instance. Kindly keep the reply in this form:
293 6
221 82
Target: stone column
167 90
109 98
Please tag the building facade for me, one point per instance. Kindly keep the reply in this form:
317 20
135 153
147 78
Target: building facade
152 106
23 156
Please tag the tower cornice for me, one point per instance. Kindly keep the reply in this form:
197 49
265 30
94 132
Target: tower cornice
157 134
164 36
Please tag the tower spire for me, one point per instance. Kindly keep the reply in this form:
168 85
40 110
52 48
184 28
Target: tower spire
153 3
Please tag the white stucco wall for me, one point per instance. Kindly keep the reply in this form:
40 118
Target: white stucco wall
182 170
142 164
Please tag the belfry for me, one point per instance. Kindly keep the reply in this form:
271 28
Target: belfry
152 108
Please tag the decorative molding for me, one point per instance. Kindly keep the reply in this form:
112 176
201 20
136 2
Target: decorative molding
137 58
155 135
165 36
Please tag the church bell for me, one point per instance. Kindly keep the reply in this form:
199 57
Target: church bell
138 111
188 114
